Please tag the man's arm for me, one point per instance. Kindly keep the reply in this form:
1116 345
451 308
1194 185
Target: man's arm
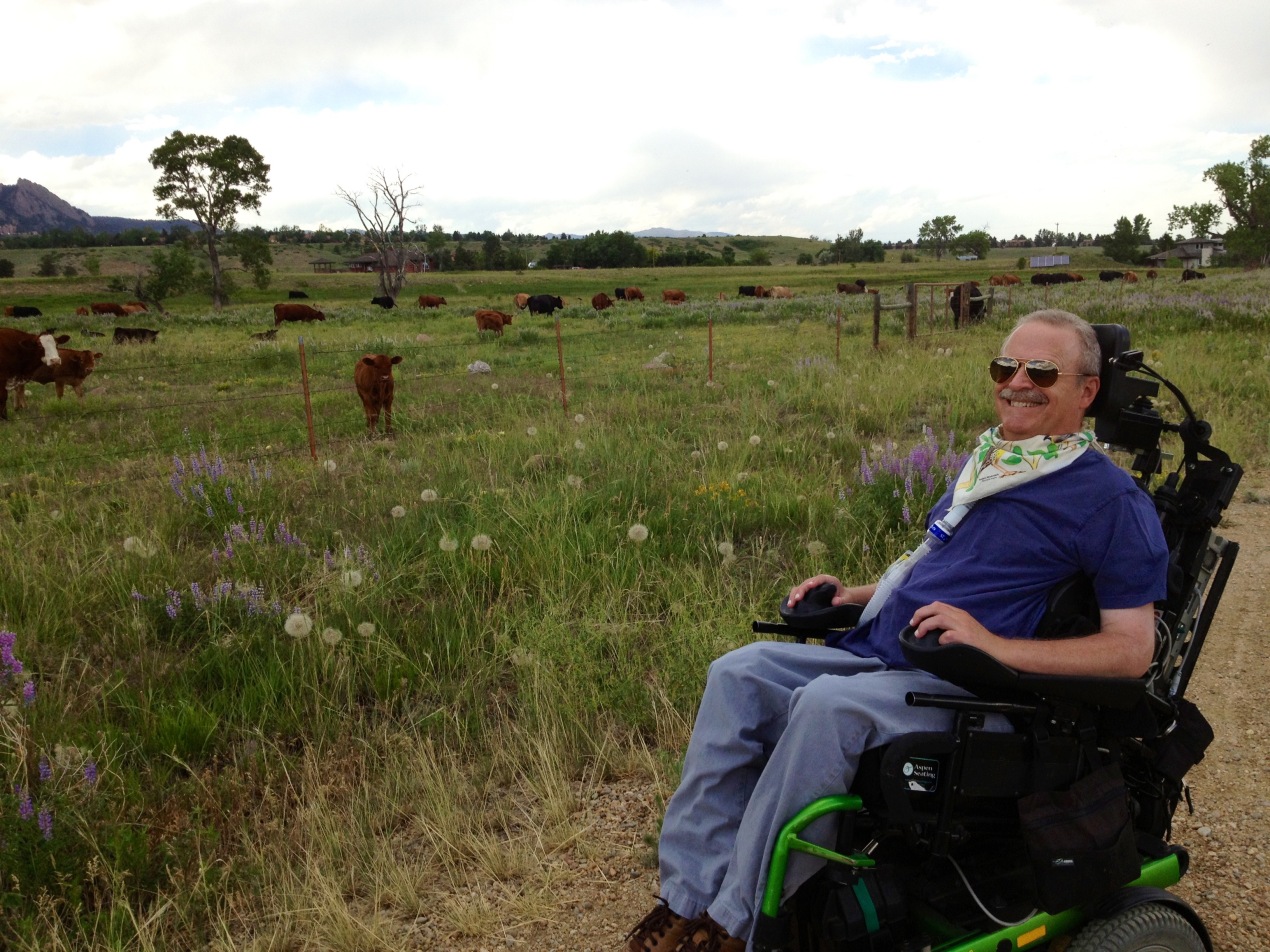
859 595
1123 647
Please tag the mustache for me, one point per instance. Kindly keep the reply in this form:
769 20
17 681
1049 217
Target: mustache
1030 393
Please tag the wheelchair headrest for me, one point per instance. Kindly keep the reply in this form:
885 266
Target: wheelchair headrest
1113 340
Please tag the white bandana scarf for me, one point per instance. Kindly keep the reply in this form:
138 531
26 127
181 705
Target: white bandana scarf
995 465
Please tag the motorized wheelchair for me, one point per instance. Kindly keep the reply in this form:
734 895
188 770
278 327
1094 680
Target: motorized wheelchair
1056 834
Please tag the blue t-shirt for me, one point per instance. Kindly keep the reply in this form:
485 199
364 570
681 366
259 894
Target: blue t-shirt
1015 545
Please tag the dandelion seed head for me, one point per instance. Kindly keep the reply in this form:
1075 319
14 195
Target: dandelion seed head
722 445
831 434
329 466
771 383
579 418
366 629
428 495
331 636
816 548
351 578
482 542
726 549
637 533
398 512
696 454
298 625
579 445
755 440
531 431
448 544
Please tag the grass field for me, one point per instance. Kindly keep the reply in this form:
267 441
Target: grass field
261 697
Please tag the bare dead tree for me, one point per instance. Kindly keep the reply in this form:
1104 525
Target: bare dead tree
384 216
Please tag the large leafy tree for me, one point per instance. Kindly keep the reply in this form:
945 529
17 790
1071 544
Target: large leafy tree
1199 218
939 233
1125 239
213 180
384 214
1245 191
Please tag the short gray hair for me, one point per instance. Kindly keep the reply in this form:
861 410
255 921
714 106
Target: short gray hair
1089 353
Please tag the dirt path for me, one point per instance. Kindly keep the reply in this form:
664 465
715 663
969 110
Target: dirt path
607 884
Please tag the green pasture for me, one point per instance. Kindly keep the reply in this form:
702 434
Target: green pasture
504 599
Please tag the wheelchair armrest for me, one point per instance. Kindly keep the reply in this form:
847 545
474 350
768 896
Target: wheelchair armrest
816 611
979 672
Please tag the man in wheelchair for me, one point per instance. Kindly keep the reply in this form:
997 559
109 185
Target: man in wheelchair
965 774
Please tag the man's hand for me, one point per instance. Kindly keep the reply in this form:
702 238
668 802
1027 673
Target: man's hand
958 626
859 595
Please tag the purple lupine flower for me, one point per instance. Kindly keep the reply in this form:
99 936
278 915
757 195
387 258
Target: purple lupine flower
46 769
178 465
211 513
251 471
229 551
240 506
215 555
26 809
28 693
199 491
173 607
137 596
90 773
194 465
46 823
329 560
229 494
197 592
906 515
175 483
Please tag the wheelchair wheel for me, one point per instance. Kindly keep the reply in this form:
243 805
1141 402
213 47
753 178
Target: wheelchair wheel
1150 927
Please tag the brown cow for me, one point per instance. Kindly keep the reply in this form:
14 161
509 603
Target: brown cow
489 320
81 312
760 291
670 296
521 301
997 280
601 301
780 291
140 305
107 307
295 312
843 288
1153 274
634 294
75 366
1012 279
130 309
431 300
1130 277
21 354
373 377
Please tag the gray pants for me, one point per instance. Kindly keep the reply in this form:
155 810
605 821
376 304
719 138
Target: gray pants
779 725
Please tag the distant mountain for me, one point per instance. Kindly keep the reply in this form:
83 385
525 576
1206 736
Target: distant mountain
28 207
679 233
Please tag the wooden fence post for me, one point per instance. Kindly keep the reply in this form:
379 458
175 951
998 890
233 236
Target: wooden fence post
837 342
912 308
877 318
564 391
308 403
710 351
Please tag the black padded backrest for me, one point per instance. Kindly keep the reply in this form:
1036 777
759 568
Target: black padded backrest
1113 340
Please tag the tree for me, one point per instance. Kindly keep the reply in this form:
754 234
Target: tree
170 273
1245 191
6 268
212 179
1199 218
975 242
384 215
938 233
253 251
1122 244
437 240
48 266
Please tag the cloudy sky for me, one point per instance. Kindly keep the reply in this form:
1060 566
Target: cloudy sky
742 116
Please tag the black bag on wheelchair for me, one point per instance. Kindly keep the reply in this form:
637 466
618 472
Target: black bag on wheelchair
1080 840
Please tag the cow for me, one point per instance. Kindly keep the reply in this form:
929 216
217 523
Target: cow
1110 275
135 335
974 303
634 294
544 304
619 294
1152 274
1191 275
22 310
384 301
747 290
601 301
271 334
297 296
431 300
997 280
671 296
75 366
760 291
1011 279
373 377
137 304
107 307
81 312
1074 276
1130 277
491 320
780 291
855 287
131 309
521 301
295 312
21 354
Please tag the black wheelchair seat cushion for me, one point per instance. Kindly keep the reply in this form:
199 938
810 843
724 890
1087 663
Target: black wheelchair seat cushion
817 611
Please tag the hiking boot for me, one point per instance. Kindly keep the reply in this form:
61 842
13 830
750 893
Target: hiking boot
703 934
659 931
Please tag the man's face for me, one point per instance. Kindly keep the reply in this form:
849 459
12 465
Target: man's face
1026 410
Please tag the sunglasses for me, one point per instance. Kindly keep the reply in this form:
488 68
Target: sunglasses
1043 373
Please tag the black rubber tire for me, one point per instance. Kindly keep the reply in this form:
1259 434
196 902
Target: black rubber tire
1150 927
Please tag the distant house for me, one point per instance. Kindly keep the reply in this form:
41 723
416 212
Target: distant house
416 262
1192 253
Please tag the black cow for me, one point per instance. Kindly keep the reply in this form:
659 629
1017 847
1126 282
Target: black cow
620 293
544 304
746 290
135 335
384 301
1110 275
974 307
297 295
24 310
1189 275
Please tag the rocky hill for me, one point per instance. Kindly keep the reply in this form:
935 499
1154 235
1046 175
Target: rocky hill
30 208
